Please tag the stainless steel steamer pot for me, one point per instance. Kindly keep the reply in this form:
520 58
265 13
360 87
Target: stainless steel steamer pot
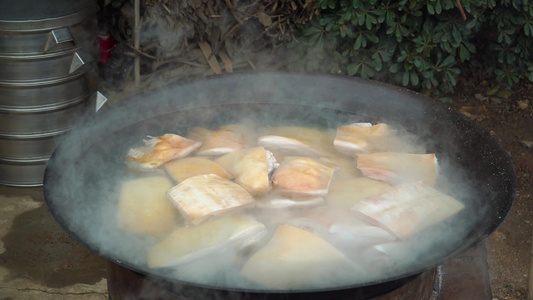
48 52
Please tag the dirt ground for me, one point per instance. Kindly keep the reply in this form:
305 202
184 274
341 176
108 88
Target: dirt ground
510 121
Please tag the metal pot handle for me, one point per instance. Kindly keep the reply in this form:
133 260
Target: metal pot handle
99 101
58 36
80 59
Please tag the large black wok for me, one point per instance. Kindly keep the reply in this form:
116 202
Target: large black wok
82 174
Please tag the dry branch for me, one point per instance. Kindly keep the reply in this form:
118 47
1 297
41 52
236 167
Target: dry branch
178 36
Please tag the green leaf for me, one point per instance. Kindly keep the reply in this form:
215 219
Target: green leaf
448 47
378 64
471 24
394 68
448 61
528 29
405 78
353 68
414 78
389 18
312 30
364 73
455 71
451 77
373 38
431 10
457 37
358 42
438 8
464 54
471 48
368 22
402 57
427 84
372 19
507 39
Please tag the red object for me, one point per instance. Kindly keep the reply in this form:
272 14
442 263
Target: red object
105 47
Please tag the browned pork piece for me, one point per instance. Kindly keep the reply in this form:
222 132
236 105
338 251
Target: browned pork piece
299 141
360 137
396 168
345 193
187 167
229 234
143 207
408 208
202 196
297 259
221 141
302 176
250 167
161 149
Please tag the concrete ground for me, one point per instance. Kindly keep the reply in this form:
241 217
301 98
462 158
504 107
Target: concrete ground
38 260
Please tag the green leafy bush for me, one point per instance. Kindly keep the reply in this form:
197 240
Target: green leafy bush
423 45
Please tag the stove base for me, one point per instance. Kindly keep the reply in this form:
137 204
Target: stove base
464 277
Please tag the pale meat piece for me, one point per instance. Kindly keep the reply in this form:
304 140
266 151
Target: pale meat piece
298 141
189 243
246 130
408 208
250 167
143 207
202 196
187 167
343 229
297 259
360 137
345 168
200 134
302 176
161 149
396 168
223 140
345 193
277 201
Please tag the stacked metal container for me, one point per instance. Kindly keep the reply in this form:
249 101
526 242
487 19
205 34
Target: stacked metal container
48 75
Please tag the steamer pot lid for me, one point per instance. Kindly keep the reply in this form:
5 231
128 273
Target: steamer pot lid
44 14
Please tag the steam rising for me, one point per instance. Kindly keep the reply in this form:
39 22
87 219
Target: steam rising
84 176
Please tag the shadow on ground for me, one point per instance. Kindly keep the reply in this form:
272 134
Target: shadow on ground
38 249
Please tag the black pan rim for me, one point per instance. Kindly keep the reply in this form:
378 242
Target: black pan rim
506 161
